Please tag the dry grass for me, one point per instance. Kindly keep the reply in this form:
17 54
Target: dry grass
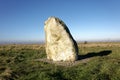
97 61
100 44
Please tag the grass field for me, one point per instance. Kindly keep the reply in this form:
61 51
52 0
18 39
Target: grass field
97 61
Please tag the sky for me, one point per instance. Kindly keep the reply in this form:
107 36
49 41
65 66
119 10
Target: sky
87 20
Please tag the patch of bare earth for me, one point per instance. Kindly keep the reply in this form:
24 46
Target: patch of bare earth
66 63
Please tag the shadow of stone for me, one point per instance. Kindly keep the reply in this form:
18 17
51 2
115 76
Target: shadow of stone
93 54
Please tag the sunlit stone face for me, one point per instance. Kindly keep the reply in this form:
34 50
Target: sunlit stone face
60 45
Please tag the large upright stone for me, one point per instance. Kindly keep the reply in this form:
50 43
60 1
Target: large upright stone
60 45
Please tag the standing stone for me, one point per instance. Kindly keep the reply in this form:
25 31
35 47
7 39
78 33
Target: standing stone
60 45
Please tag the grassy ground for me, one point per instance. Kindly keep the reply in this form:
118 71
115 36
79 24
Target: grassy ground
97 61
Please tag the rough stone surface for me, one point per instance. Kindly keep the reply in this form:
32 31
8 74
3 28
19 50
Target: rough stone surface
60 45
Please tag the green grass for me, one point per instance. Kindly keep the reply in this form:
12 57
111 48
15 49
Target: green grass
17 62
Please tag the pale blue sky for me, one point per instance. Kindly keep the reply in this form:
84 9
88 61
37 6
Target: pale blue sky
23 20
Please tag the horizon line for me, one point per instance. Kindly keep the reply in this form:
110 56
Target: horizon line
42 42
